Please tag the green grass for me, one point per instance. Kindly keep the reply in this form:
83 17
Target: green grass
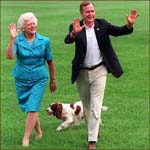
126 124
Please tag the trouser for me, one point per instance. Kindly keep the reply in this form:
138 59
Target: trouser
91 86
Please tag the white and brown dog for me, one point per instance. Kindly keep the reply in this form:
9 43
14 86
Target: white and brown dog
70 114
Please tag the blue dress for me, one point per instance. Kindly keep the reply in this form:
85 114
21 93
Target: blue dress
30 71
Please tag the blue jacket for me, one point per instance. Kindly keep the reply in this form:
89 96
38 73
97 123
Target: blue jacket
30 62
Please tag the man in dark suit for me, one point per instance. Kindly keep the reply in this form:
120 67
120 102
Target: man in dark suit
94 58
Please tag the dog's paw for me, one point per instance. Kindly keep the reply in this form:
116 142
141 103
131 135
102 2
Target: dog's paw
105 108
59 128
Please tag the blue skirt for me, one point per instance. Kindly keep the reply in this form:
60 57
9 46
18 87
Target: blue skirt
30 94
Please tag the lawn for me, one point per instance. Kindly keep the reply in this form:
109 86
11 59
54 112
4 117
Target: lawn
126 123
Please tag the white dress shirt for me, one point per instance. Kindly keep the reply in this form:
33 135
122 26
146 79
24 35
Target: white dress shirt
93 54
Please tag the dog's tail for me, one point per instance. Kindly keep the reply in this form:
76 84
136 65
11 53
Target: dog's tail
104 108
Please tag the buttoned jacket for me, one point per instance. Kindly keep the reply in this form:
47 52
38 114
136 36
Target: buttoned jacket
103 30
30 59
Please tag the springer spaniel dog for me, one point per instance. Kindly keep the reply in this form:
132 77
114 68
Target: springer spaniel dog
70 114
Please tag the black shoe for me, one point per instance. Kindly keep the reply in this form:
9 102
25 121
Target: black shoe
92 145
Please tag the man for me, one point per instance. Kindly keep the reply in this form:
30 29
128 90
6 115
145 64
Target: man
94 58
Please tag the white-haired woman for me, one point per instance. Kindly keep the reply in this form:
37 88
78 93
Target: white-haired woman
31 50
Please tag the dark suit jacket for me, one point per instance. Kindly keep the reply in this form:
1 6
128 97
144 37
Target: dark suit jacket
102 30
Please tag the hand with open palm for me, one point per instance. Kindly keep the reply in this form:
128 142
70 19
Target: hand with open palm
13 31
76 26
131 18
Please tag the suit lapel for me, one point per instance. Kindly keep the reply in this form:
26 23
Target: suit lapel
37 41
23 42
82 35
98 30
99 33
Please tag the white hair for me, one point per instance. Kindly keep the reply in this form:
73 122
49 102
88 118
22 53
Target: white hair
24 17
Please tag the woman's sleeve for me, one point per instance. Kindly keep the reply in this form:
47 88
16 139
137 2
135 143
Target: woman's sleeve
48 50
15 48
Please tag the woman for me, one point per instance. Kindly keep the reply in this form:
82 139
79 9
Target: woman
31 50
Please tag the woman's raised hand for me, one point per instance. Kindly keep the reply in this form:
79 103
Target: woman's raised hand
13 30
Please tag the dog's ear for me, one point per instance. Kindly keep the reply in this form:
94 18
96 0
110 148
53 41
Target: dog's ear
78 109
72 105
53 106
59 111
